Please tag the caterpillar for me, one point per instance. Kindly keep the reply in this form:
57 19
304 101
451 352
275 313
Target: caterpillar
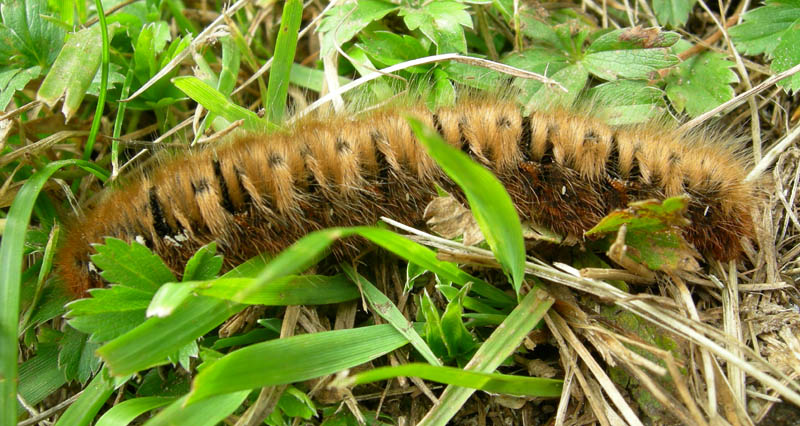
261 192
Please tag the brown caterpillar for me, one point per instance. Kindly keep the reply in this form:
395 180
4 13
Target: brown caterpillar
262 192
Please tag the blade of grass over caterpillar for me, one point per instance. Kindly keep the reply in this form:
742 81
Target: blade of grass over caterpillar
294 359
500 345
282 60
313 244
488 382
214 101
384 307
490 203
208 412
11 253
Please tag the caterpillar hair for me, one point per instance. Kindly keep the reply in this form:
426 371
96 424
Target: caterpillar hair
261 192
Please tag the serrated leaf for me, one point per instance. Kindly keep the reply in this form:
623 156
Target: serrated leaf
762 28
109 313
625 102
76 357
442 22
342 23
17 80
131 265
701 83
634 64
673 13
633 39
787 55
390 49
654 232
26 38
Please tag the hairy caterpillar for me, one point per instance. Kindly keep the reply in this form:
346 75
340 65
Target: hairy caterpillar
262 192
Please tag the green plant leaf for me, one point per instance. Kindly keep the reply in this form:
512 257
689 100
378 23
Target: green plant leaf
342 23
27 39
442 22
654 232
763 28
490 203
76 357
787 55
132 265
13 80
701 82
458 340
109 313
73 71
625 102
672 13
39 376
388 48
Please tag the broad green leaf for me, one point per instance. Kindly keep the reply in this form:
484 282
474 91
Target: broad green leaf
204 413
633 39
131 265
13 80
635 64
787 55
73 71
127 411
442 22
763 28
27 39
294 359
342 23
216 102
625 102
294 404
654 233
76 358
701 82
490 203
389 49
489 382
673 13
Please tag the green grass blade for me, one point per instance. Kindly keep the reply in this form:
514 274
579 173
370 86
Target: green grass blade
289 290
294 359
205 413
489 382
90 402
490 203
214 101
505 339
126 411
388 311
11 250
282 61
